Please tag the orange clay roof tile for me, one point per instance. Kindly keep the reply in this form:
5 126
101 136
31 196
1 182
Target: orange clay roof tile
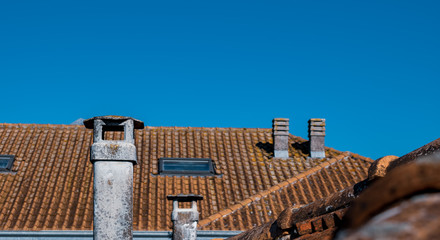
51 186
304 185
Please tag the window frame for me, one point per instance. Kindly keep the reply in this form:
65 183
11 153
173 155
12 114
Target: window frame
210 172
11 159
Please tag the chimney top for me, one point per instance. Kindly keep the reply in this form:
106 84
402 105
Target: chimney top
89 122
317 137
317 127
281 126
185 219
281 119
281 137
104 149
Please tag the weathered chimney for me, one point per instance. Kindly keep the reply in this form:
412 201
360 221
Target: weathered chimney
185 219
113 176
316 137
281 137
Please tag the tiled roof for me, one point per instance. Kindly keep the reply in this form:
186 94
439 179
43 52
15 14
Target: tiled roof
399 204
316 183
402 205
318 219
383 165
401 183
50 186
419 152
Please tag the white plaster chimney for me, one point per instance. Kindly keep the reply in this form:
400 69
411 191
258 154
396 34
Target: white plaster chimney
113 177
280 129
317 137
185 219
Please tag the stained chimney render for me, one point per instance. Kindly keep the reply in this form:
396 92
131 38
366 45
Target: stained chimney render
113 176
185 219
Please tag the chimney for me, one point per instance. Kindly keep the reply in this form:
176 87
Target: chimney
281 137
316 137
113 176
185 219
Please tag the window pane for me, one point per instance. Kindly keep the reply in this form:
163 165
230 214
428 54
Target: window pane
3 163
185 165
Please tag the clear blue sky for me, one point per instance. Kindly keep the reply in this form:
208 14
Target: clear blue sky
371 68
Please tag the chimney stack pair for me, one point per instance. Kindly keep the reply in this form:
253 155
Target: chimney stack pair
281 137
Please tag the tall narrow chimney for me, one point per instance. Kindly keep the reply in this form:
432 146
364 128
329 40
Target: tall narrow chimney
185 219
316 137
113 176
281 137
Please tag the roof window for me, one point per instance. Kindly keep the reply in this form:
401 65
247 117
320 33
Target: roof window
6 162
186 166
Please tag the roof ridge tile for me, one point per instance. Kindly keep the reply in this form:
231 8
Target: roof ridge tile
200 128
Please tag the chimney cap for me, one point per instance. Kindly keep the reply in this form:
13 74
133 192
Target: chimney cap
185 197
280 120
317 120
89 122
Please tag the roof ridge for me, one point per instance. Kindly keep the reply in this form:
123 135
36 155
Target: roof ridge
367 159
146 127
39 125
268 191
206 128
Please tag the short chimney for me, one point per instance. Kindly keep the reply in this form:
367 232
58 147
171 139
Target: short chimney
281 137
185 219
316 137
113 176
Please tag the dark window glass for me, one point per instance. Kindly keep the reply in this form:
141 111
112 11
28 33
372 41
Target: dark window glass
186 166
6 162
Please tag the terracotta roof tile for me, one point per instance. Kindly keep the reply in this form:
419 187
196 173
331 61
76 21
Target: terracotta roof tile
300 190
50 187
405 200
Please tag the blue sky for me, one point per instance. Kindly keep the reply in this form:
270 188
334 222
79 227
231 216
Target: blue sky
371 68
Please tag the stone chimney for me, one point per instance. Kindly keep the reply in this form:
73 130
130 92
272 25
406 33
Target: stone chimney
185 219
113 176
316 137
280 128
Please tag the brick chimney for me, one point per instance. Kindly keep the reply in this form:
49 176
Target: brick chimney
185 219
316 137
280 128
113 176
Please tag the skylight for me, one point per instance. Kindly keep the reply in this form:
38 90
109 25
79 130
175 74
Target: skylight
186 166
6 162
